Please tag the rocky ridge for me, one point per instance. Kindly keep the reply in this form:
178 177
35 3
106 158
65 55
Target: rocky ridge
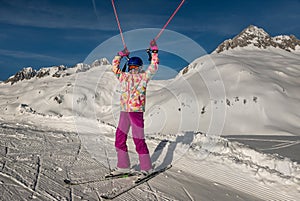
54 71
257 37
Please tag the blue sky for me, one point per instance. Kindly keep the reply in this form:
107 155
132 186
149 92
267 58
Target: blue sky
42 33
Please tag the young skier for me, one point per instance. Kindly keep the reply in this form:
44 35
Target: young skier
133 85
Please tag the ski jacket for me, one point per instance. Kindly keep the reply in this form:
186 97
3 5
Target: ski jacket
133 84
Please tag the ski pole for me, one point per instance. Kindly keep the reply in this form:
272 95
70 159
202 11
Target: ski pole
169 20
118 22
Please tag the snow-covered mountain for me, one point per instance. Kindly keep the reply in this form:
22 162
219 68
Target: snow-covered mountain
257 37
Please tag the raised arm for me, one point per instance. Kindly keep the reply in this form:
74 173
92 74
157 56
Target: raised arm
117 60
153 67
116 66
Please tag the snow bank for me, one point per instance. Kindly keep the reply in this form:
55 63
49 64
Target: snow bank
234 152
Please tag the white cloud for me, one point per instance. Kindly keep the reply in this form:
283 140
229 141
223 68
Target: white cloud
30 55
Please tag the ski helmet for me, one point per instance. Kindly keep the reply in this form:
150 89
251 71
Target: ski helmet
135 61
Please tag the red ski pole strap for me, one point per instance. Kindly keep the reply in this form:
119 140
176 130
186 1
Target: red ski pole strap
118 22
169 20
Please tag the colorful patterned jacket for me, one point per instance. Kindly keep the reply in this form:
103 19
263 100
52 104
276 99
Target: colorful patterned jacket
133 84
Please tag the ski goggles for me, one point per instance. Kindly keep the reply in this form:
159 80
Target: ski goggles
133 67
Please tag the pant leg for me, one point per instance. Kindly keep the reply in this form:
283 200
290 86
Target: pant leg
120 141
137 126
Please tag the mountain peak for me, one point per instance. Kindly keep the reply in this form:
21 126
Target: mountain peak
257 37
254 31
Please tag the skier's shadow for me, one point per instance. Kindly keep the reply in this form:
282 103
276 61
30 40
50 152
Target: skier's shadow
186 139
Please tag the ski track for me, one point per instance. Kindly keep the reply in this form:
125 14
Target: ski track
46 158
188 194
47 184
283 145
263 140
44 183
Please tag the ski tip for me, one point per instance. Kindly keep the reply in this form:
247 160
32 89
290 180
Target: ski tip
67 181
106 197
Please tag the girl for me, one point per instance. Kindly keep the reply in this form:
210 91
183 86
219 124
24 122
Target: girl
133 85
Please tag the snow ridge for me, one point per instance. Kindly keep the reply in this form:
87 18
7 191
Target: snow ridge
257 37
54 71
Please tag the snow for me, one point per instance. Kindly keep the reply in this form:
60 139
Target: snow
254 30
225 123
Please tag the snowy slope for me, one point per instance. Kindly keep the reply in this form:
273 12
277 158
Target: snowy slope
261 90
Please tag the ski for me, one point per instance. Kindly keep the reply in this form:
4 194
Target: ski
113 194
104 178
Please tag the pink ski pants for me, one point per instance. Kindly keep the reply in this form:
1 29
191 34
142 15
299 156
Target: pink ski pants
136 121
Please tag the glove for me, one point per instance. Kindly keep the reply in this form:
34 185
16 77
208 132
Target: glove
149 54
124 53
153 46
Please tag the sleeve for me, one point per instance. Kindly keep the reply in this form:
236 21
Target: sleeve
115 66
153 67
